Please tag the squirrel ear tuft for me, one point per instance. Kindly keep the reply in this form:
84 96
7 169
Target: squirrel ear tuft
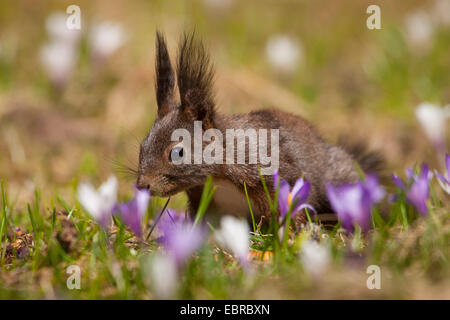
195 76
165 77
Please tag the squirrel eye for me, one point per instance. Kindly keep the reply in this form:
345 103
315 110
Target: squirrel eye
176 155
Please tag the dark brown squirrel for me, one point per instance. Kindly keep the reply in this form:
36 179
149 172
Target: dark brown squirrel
302 152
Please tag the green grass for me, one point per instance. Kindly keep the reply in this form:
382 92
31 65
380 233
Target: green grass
114 264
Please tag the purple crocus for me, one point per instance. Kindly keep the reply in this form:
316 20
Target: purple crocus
133 212
376 191
398 181
416 188
180 238
353 202
419 190
444 181
287 196
352 205
172 218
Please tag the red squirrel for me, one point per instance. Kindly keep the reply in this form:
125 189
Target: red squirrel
302 151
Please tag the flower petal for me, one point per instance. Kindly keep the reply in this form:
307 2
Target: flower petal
182 239
363 217
99 204
307 206
444 183
89 199
425 172
433 119
297 186
442 178
352 203
142 198
133 211
418 194
234 234
301 195
398 181
376 192
275 180
315 258
108 191
409 174
283 197
447 165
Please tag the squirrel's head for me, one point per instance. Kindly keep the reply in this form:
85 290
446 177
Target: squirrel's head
160 169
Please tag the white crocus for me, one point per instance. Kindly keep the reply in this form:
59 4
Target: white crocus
56 25
58 60
315 258
234 234
284 53
105 38
99 203
59 56
445 186
419 28
433 120
164 276
444 179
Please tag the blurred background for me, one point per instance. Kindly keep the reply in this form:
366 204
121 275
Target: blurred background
74 104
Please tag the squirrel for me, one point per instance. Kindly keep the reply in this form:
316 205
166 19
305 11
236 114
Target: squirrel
302 151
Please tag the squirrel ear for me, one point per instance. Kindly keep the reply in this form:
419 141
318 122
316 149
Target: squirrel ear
165 77
195 76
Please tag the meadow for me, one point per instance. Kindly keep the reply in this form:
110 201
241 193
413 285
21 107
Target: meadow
75 105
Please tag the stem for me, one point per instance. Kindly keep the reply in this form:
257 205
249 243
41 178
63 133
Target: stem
250 207
157 220
404 216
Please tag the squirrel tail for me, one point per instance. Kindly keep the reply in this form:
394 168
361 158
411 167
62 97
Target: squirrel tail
368 160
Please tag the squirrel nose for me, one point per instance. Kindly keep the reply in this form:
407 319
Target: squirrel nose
142 183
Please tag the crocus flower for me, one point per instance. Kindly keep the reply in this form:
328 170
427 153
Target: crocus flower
234 234
286 196
164 276
58 59
59 56
352 202
444 181
56 25
418 195
419 29
416 188
99 204
284 53
433 120
315 258
172 218
376 191
419 190
181 239
398 181
134 211
352 205
105 38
